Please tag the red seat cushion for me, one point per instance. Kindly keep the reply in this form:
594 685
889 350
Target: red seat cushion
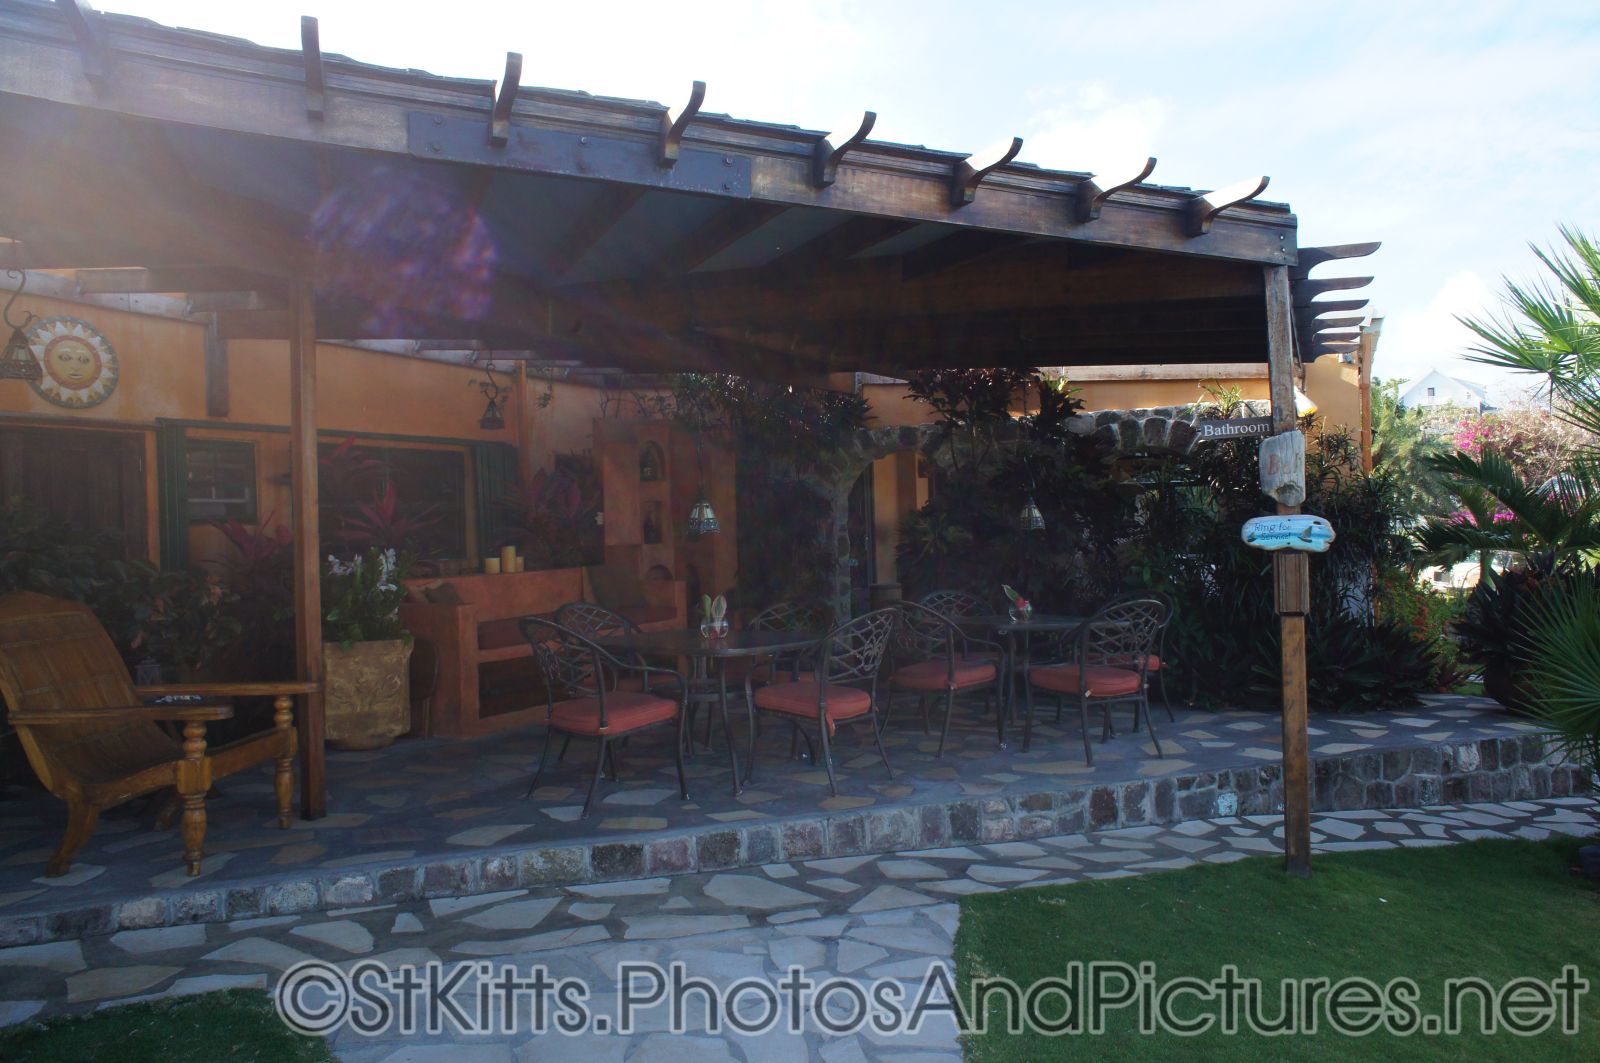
935 674
800 699
1152 662
1102 682
624 712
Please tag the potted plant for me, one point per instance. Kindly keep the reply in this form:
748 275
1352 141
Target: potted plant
713 616
1021 608
365 650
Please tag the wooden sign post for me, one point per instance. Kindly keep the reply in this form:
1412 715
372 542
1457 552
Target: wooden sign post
1292 579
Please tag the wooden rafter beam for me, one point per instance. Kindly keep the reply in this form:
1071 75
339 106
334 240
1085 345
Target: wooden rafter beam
1204 208
609 207
845 241
1093 192
958 248
178 279
828 153
675 122
311 56
1312 257
1307 290
968 174
214 302
725 228
92 48
500 112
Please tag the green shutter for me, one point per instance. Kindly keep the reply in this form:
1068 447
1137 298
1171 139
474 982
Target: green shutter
172 504
495 469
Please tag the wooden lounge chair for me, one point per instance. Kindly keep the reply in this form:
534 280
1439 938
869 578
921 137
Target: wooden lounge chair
94 745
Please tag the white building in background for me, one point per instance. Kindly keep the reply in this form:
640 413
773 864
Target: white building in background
1437 389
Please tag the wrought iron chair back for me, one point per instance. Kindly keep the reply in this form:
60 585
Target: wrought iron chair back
954 603
924 633
798 614
591 620
1122 634
853 651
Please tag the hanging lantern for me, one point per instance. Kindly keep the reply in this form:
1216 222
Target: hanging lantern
702 518
1031 519
492 420
494 414
17 362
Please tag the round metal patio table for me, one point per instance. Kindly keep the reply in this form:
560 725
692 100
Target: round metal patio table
1004 624
702 651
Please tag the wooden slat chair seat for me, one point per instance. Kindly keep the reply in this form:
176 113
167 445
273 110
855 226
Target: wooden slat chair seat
94 745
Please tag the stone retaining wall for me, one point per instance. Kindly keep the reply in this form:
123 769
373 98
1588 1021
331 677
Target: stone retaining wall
1492 769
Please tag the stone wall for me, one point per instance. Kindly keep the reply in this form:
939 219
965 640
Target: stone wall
1492 769
1161 430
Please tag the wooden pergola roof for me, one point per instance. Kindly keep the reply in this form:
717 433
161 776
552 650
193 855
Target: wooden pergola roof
305 196
577 230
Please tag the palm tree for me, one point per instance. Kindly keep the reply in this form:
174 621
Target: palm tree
1554 523
1550 327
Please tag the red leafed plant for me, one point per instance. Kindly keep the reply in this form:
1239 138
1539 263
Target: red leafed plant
380 523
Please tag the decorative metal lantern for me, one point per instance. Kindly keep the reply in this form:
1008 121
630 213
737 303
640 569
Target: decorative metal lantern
494 415
17 362
702 518
492 420
1031 519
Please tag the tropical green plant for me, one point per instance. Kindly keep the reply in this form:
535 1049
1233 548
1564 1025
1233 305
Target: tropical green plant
1403 444
361 598
40 551
1562 645
1500 512
181 618
1549 327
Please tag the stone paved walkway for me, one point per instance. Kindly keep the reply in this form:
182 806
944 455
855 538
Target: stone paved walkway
864 917
436 799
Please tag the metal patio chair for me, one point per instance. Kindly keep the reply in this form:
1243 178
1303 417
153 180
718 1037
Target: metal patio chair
1107 664
843 687
934 656
579 703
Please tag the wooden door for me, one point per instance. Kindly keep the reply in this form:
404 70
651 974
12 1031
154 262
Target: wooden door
95 480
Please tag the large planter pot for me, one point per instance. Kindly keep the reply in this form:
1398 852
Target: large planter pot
366 694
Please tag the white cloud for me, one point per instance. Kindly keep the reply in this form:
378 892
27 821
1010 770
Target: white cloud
1417 339
1095 131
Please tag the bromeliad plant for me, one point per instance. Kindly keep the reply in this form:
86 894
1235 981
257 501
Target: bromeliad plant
361 598
713 615
1021 608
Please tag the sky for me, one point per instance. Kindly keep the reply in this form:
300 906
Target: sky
1455 132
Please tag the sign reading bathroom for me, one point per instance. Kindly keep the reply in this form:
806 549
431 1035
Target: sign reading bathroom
1234 428
1299 531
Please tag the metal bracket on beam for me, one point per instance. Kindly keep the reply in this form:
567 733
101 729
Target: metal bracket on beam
674 121
970 172
500 116
1203 209
92 49
311 51
1094 191
825 156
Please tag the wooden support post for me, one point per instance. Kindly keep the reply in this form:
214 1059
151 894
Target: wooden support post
217 395
1292 586
307 547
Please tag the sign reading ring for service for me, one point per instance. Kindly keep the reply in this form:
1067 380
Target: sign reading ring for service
1299 531
80 368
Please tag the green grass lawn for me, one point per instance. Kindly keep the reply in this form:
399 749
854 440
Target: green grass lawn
237 1026
1494 909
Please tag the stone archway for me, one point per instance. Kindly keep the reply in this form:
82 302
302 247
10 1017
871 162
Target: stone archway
1160 430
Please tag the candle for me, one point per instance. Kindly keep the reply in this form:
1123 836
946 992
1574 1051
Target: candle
520 562
491 565
508 559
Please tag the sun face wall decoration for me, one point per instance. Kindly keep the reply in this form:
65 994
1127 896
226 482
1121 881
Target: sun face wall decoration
80 368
